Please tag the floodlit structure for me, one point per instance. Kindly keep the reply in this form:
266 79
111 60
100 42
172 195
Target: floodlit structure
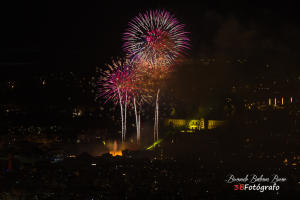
194 124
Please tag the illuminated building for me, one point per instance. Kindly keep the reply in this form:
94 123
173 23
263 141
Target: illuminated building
212 124
280 105
194 124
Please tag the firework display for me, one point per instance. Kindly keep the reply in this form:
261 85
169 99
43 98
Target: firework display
117 86
155 37
153 43
155 40
122 84
117 82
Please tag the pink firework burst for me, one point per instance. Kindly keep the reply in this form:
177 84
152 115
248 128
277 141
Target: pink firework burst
117 83
155 36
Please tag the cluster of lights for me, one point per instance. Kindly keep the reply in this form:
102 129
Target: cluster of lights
77 112
11 84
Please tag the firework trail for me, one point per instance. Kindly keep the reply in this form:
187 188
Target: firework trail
125 113
117 85
152 77
137 103
141 96
156 116
137 118
122 115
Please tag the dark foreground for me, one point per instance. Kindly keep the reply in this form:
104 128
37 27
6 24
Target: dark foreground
143 175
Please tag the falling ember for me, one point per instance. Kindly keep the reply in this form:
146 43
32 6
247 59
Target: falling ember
137 119
156 117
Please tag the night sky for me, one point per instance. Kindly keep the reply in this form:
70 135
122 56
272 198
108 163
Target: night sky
78 36
40 38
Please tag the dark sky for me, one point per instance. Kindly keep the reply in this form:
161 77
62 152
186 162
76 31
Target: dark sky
60 36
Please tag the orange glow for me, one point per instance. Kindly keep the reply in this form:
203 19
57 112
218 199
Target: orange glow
116 153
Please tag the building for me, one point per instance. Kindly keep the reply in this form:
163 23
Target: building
194 124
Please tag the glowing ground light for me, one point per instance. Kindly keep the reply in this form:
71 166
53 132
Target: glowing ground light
116 153
154 144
